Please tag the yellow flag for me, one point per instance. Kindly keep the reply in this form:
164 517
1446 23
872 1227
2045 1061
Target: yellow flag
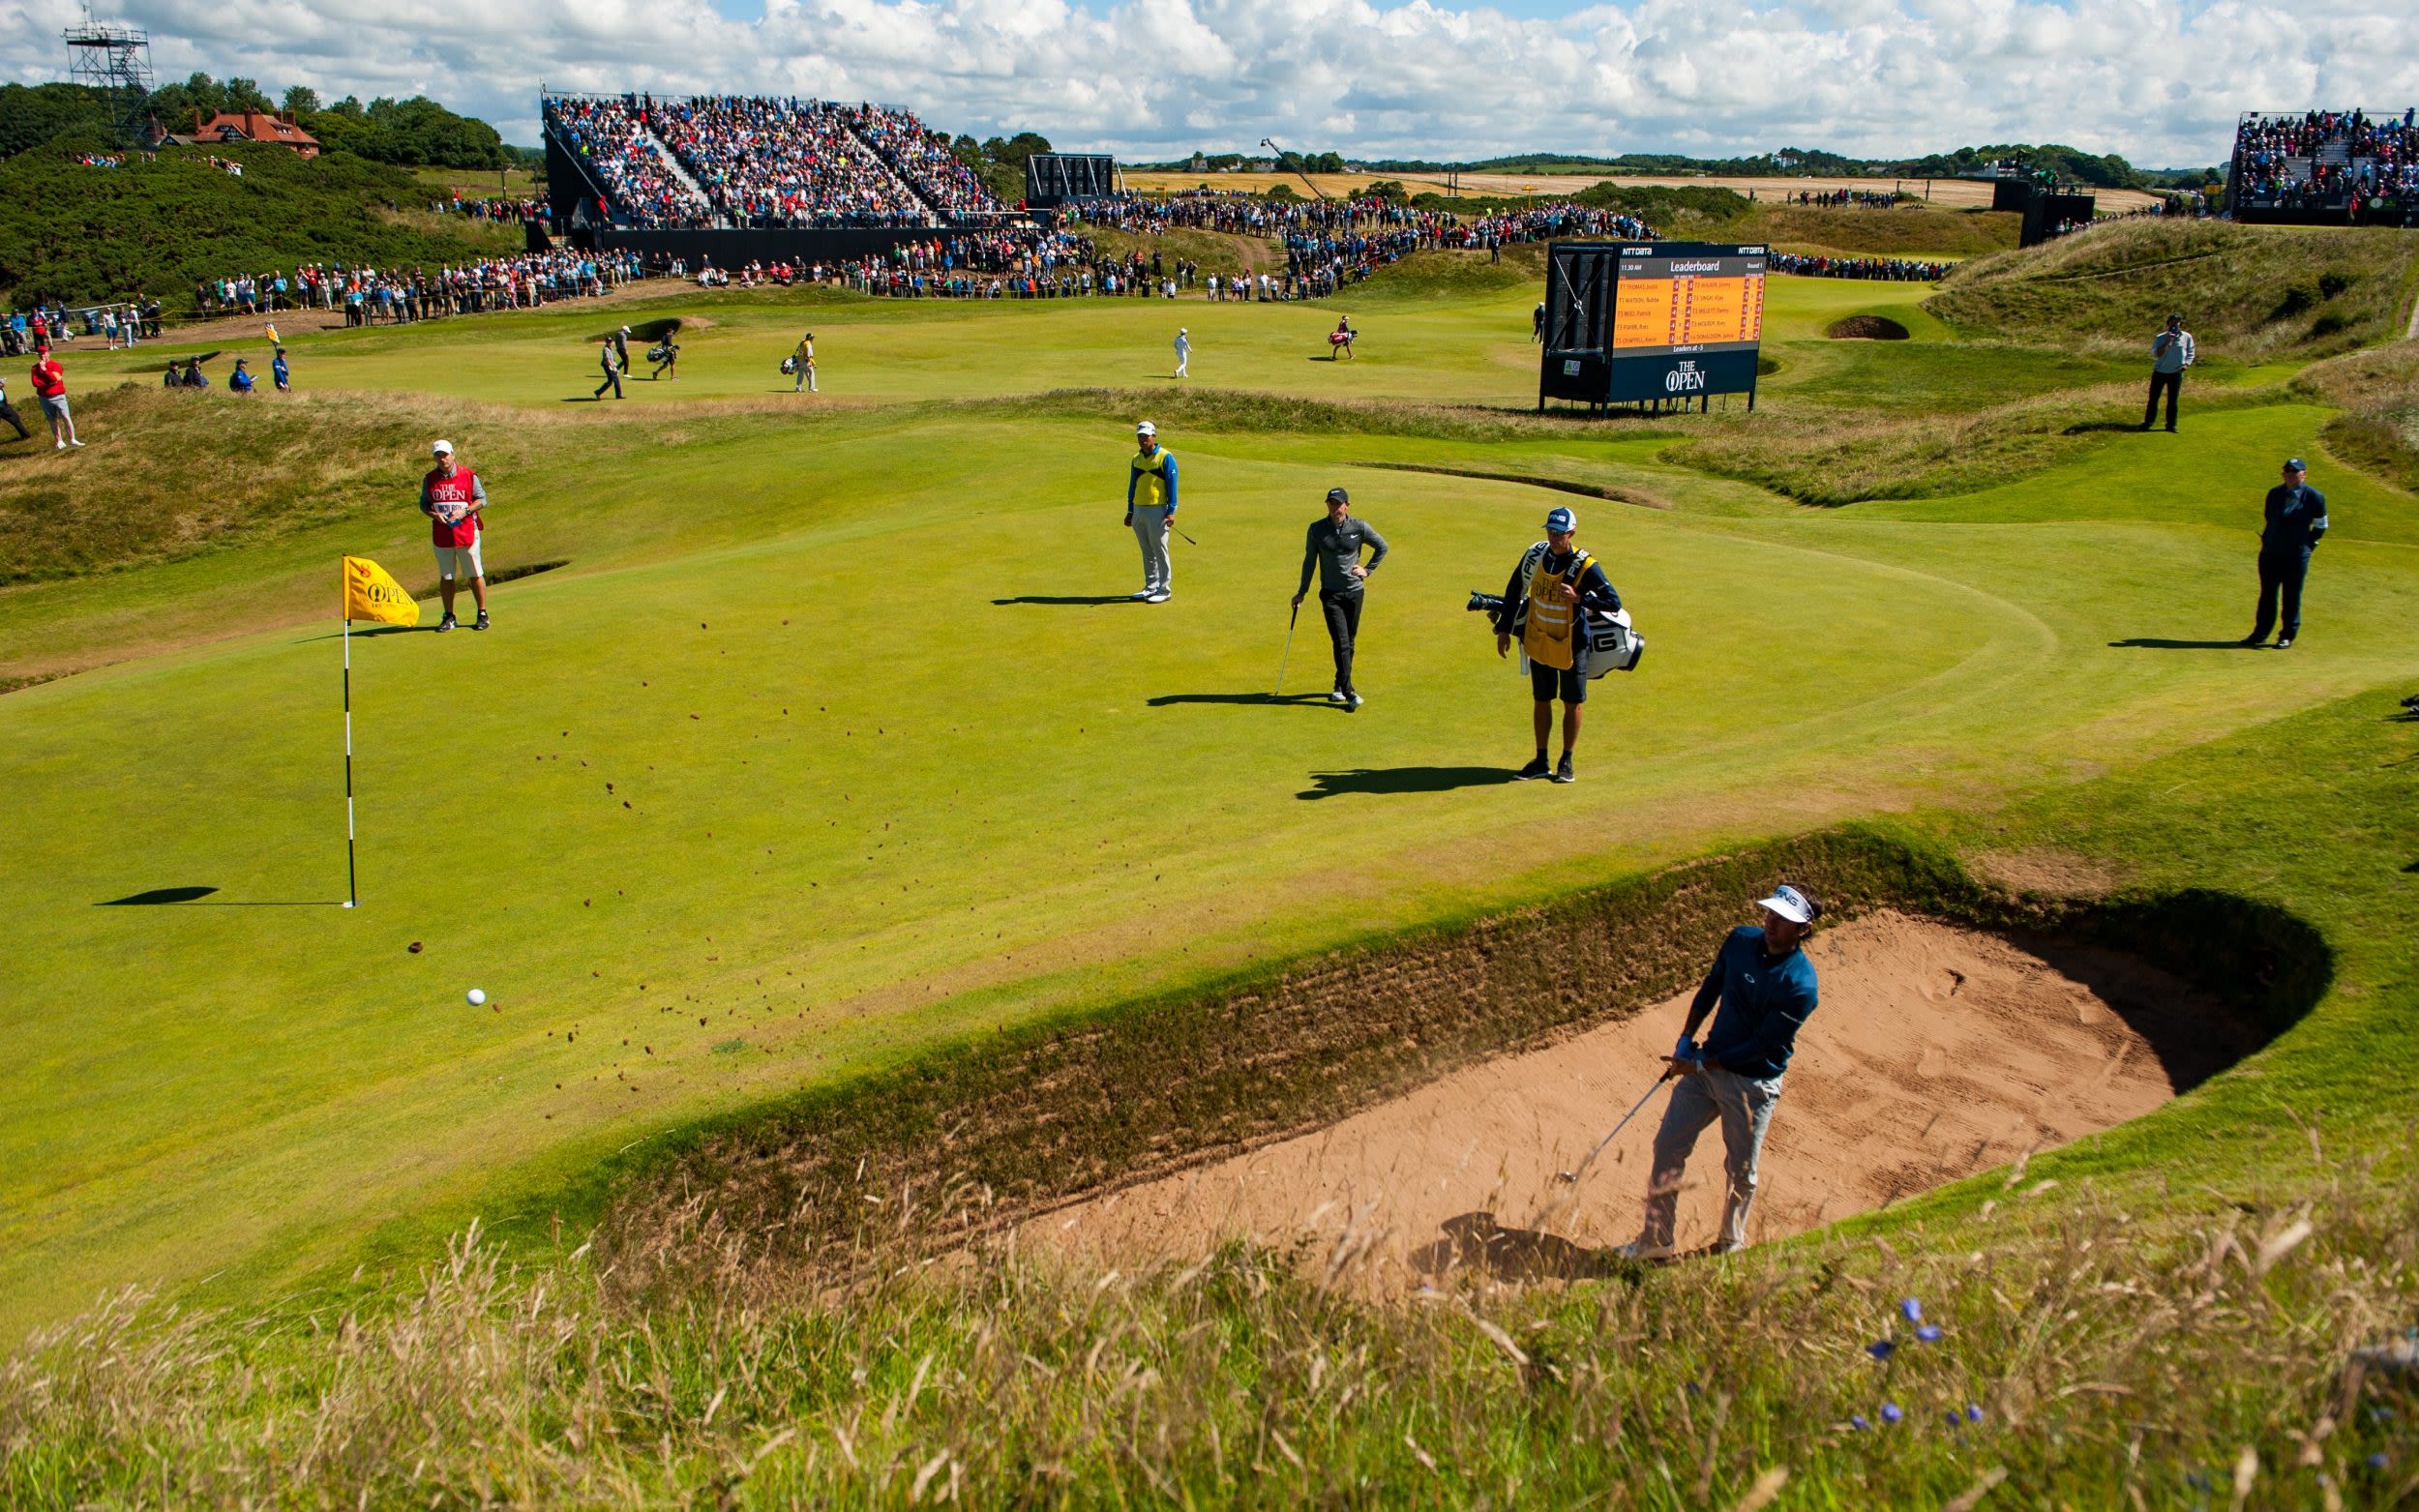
371 594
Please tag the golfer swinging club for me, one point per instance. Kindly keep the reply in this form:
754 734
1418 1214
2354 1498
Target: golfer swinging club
1765 986
1334 543
1151 509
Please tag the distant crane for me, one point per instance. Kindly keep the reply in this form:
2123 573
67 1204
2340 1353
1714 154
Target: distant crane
1297 171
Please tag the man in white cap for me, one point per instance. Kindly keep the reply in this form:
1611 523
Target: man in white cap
452 496
1766 988
1183 349
1151 509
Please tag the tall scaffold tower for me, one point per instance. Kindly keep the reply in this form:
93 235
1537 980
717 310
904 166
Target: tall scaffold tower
116 62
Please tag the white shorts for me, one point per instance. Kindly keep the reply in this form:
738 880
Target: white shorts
449 558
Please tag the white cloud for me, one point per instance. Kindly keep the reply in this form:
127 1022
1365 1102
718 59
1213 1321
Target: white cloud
2157 80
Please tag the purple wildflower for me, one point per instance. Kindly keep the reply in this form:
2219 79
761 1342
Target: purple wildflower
1882 1349
1912 1309
1928 1333
1859 1423
1973 1412
1889 1412
2378 1461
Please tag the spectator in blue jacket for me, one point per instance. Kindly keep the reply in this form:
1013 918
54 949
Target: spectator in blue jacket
1766 990
2295 524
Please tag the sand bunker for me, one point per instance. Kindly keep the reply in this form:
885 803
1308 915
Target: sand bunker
1937 1052
1867 328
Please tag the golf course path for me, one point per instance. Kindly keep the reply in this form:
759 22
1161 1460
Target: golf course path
1937 1052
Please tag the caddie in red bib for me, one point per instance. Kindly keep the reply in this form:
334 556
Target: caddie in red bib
452 496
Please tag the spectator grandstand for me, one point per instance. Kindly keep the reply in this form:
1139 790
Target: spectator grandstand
2326 166
731 160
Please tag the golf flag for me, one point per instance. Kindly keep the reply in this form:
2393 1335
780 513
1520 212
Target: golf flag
371 594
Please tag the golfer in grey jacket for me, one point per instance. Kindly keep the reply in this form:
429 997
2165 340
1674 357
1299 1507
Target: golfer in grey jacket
1334 544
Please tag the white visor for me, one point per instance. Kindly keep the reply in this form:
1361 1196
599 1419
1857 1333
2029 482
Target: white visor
1791 904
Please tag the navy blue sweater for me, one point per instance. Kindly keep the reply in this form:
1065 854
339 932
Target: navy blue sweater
1764 1002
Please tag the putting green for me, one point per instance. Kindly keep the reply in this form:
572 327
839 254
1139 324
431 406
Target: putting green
834 741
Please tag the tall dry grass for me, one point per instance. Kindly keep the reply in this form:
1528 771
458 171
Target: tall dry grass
2087 1354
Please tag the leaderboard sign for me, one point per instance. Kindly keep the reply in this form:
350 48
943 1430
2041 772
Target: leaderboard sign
1637 322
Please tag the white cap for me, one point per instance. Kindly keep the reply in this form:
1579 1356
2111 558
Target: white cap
1184 331
1146 428
1791 904
442 449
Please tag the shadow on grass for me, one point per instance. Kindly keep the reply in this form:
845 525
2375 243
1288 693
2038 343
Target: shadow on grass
163 896
1313 699
2153 643
1072 600
371 632
1403 778
2101 427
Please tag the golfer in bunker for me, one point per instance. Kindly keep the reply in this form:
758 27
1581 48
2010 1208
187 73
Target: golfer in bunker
1765 985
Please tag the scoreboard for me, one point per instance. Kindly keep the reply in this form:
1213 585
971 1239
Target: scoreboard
1629 322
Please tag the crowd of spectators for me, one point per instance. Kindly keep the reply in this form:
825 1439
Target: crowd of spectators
607 135
925 159
1891 270
374 296
502 208
1841 199
2329 160
761 161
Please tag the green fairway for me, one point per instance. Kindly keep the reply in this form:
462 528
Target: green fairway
834 739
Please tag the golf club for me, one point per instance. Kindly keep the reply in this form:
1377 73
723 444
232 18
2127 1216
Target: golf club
1571 1177
1290 623
1182 533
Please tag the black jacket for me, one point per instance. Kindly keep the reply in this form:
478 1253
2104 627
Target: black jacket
2296 520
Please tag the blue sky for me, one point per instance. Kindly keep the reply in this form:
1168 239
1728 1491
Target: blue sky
2159 82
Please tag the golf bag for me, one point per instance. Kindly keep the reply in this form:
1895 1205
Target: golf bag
789 367
658 352
1614 645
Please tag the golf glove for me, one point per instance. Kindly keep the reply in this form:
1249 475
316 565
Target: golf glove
1687 1050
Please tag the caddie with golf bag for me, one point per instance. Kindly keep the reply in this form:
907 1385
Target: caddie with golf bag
1765 988
1571 625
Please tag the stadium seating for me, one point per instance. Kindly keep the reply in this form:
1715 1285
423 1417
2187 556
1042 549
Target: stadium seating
2329 165
766 162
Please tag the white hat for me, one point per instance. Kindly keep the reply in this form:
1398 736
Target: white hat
1146 428
442 449
1791 904
1183 330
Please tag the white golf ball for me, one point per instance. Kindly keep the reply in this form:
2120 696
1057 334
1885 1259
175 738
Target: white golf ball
477 997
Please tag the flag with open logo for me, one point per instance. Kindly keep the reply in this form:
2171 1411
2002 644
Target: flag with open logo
371 594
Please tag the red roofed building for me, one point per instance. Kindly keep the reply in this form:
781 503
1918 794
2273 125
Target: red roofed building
246 126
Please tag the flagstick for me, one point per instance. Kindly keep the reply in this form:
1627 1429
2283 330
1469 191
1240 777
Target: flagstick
352 877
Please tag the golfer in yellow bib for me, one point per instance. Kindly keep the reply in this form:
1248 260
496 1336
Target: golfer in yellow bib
1554 586
1151 509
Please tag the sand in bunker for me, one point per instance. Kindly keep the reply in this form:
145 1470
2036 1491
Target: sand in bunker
1936 1052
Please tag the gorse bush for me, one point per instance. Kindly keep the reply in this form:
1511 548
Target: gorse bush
70 232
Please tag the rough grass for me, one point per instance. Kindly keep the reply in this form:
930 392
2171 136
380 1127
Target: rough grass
245 470
1216 252
2245 292
1447 275
2378 428
2087 1353
1908 231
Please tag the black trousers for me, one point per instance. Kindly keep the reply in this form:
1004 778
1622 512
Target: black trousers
2174 383
612 381
1343 613
2281 577
8 412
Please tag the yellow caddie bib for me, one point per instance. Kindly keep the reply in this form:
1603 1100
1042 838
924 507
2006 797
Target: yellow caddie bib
1152 487
1546 634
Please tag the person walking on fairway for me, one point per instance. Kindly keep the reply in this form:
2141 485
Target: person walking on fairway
1334 544
50 387
452 496
1767 990
2296 521
281 373
1151 509
2171 353
1550 592
804 358
611 370
1183 349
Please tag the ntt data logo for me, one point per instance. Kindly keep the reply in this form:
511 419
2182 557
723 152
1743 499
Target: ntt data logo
1687 378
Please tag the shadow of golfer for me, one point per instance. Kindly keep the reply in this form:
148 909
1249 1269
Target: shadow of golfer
1476 1242
1073 600
1402 779
2153 643
1315 699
